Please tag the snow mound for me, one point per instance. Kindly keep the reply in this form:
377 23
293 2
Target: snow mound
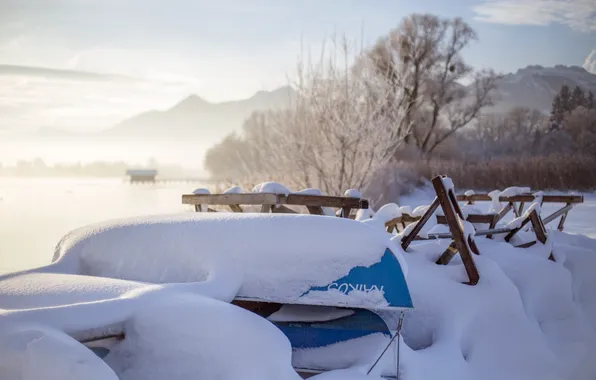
234 190
226 247
201 191
309 191
384 214
388 212
271 187
405 210
514 190
364 214
33 352
420 210
352 193
171 331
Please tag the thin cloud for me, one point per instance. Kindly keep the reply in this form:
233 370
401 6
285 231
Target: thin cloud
579 15
59 74
28 102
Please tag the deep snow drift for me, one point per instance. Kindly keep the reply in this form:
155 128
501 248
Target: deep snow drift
528 317
172 332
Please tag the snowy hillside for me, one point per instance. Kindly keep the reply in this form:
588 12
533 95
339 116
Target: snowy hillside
536 86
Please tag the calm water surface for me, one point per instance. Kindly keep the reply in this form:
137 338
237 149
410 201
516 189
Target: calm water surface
36 213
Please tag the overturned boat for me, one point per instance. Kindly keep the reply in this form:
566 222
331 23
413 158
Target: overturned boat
321 280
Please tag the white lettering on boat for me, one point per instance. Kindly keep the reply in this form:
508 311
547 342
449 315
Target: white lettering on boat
347 288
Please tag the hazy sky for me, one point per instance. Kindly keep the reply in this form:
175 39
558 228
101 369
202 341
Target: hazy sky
229 49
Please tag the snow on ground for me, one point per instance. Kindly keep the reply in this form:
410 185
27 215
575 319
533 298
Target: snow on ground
172 332
35 352
527 318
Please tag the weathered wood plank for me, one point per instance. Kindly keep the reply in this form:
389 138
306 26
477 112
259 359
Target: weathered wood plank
526 245
402 220
451 210
118 336
514 231
556 214
504 211
315 210
561 224
520 210
234 200
324 201
448 235
515 210
448 255
408 239
281 209
229 199
493 225
236 208
538 227
345 212
563 198
472 218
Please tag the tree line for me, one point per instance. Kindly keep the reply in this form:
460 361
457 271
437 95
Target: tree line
358 109
378 118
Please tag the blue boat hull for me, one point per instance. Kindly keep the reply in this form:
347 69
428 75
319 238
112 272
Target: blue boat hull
319 334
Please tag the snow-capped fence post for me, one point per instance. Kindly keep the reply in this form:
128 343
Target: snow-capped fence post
462 242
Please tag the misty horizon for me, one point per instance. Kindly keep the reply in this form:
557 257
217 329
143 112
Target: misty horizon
68 70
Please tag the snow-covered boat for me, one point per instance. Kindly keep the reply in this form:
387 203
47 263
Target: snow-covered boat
321 280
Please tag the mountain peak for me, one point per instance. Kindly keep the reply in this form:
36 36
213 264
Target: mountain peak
554 69
191 103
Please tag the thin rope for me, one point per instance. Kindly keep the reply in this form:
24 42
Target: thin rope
397 334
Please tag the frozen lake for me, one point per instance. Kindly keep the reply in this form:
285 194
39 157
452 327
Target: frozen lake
36 213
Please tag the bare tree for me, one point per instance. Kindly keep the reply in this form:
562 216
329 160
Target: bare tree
518 132
335 135
423 55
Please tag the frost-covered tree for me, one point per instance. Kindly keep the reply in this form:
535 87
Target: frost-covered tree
423 55
334 136
516 133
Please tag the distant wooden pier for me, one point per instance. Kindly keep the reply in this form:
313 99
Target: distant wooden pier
141 175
